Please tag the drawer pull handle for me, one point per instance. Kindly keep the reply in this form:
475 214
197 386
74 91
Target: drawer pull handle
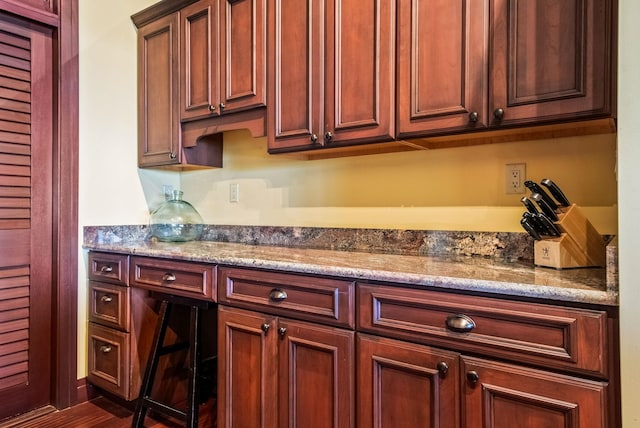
106 298
282 331
277 295
105 349
460 323
473 377
106 269
168 277
443 368
265 327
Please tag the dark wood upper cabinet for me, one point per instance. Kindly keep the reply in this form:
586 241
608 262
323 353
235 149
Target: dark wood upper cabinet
332 73
470 65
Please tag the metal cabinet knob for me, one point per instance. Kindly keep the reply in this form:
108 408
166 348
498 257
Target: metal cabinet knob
105 349
222 106
473 377
282 331
473 117
168 277
313 138
265 327
106 298
106 269
328 136
277 295
212 107
498 113
172 156
443 368
460 323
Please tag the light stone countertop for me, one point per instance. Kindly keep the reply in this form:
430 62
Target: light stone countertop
468 273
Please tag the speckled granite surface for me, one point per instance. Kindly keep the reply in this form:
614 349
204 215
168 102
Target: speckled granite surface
463 265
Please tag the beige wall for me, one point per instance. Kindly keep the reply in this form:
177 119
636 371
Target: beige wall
452 189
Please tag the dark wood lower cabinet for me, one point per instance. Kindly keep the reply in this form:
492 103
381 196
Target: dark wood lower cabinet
277 372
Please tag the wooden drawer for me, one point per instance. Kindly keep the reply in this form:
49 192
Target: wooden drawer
109 267
109 305
551 336
324 300
109 365
173 277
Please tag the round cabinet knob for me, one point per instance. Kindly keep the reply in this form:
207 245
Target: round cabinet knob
222 106
473 377
282 331
313 138
328 136
265 327
443 368
105 349
473 117
498 113
106 269
168 277
277 295
106 298
460 323
172 156
212 107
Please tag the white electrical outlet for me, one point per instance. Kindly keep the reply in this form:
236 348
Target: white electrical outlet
234 192
515 176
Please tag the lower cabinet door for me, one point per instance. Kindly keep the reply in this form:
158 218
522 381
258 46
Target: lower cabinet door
316 376
404 385
109 360
501 395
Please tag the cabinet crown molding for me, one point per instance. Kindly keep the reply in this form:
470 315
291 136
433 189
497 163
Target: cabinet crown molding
158 10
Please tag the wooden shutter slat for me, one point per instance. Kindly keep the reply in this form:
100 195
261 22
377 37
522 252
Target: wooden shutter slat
13 358
14 203
15 73
12 94
13 51
7 213
8 159
18 63
15 224
24 171
22 302
13 40
14 314
16 192
15 105
15 84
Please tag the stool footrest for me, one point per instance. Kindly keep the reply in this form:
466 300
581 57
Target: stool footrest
164 408
169 349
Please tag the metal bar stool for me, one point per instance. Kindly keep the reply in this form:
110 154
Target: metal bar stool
158 349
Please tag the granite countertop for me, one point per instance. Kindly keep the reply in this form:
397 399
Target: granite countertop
454 272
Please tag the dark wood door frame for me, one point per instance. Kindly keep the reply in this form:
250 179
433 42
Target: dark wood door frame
64 20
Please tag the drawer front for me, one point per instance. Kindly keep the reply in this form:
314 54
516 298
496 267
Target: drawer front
109 267
109 305
324 300
551 336
173 277
109 360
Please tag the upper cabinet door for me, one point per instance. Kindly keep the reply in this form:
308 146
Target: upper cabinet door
551 60
442 66
199 89
360 72
243 54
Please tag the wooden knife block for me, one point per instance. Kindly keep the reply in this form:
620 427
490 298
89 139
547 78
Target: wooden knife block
580 244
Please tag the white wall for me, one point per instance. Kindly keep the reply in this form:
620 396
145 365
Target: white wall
629 200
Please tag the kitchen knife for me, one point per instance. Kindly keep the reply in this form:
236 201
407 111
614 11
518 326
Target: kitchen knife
535 188
556 192
526 224
533 220
550 228
544 206
529 205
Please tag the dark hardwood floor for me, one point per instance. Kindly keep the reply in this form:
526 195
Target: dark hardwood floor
104 413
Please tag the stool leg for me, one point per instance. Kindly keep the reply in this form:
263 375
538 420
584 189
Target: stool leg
194 369
152 365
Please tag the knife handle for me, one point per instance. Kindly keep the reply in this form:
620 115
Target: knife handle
529 205
526 224
544 206
535 188
550 228
556 192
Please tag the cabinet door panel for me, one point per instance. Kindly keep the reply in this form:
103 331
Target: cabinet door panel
550 59
507 396
400 385
159 125
316 376
296 56
360 66
247 368
243 54
442 66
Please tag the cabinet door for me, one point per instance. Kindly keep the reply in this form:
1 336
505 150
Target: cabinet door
247 369
505 396
442 66
242 54
199 60
404 385
360 72
158 115
296 74
316 376
550 60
